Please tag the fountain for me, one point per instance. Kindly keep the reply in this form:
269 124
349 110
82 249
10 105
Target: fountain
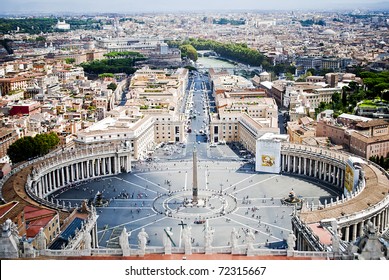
292 199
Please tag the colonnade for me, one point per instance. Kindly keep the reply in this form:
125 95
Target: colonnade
329 167
66 170
351 231
348 233
328 171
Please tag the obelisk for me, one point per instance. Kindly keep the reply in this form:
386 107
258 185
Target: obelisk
194 186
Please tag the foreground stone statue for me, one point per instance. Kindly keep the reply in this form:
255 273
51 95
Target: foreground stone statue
167 243
9 241
41 240
187 238
142 241
123 242
250 238
208 239
291 243
234 241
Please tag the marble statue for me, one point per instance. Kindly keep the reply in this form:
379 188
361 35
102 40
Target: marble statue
234 238
167 243
187 238
291 241
123 242
41 240
142 240
209 232
87 241
369 228
250 238
335 238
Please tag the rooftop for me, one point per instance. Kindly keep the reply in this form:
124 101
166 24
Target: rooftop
372 123
376 189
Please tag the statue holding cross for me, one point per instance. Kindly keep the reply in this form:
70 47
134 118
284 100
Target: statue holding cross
167 240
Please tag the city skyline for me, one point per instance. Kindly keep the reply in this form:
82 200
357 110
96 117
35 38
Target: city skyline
88 6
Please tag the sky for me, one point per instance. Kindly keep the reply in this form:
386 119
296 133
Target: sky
127 6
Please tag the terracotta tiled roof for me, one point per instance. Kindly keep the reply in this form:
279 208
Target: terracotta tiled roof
370 140
32 213
35 226
372 123
13 190
7 207
323 234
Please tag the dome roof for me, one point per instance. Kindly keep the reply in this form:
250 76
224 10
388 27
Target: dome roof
329 32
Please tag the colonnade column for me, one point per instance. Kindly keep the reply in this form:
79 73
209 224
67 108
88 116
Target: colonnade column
98 166
379 222
110 165
58 179
63 176
46 184
347 234
360 233
294 164
82 170
354 232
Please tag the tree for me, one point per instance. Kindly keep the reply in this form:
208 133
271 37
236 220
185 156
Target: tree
189 51
30 147
106 75
312 70
289 76
112 86
70 60
21 149
336 98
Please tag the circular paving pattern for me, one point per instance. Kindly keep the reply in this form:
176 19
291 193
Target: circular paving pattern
211 204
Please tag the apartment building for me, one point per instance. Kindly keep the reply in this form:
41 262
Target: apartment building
337 133
244 112
370 139
364 138
136 133
300 130
9 86
7 137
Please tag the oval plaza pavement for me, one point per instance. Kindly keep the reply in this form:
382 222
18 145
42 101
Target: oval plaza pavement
151 197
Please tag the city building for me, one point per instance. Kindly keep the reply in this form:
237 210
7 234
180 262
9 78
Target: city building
137 133
370 139
7 137
62 25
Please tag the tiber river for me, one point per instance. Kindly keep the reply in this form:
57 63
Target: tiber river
212 62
